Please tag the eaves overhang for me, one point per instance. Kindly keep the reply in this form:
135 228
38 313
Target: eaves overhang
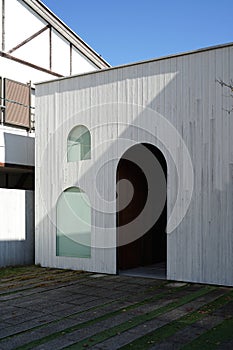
47 15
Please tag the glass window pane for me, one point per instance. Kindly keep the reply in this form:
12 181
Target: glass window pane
74 151
74 224
79 144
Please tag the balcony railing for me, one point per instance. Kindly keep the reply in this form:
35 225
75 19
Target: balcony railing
16 105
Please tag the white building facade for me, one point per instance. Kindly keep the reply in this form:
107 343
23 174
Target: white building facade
34 45
154 132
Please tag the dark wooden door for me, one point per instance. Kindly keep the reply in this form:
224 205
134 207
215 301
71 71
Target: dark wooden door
150 247
130 255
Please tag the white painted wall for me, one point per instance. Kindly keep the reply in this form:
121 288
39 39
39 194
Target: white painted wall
0 25
60 54
80 63
21 23
19 72
36 51
16 147
12 215
17 227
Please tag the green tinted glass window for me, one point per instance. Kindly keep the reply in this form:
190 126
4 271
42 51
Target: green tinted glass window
73 224
79 144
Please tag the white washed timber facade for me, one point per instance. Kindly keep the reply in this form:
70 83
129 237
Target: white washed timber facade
173 103
34 45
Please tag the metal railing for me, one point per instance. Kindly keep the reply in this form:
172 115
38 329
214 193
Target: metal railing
16 104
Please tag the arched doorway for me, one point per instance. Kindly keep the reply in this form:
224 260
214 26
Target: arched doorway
141 198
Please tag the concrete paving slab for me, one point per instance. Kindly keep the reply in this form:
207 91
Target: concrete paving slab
52 309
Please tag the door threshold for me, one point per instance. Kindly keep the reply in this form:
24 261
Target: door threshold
156 271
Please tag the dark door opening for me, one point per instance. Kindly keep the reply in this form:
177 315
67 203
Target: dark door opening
151 246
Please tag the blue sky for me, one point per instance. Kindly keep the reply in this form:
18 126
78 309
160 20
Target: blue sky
125 31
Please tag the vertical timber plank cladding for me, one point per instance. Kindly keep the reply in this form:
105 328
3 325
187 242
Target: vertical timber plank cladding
184 91
17 102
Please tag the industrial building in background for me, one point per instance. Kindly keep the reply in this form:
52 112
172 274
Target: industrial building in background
35 45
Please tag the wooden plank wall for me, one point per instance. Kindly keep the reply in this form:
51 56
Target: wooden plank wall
112 104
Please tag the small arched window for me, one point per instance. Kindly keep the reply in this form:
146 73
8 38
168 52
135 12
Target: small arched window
79 144
73 224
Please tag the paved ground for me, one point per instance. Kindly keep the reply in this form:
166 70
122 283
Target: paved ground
56 309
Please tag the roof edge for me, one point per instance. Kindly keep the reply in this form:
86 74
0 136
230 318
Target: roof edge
40 8
209 48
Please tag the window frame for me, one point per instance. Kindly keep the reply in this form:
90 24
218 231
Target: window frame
77 147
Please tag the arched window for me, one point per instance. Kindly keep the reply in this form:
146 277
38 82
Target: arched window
79 144
73 224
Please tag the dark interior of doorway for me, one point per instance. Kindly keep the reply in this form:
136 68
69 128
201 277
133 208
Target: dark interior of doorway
147 255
